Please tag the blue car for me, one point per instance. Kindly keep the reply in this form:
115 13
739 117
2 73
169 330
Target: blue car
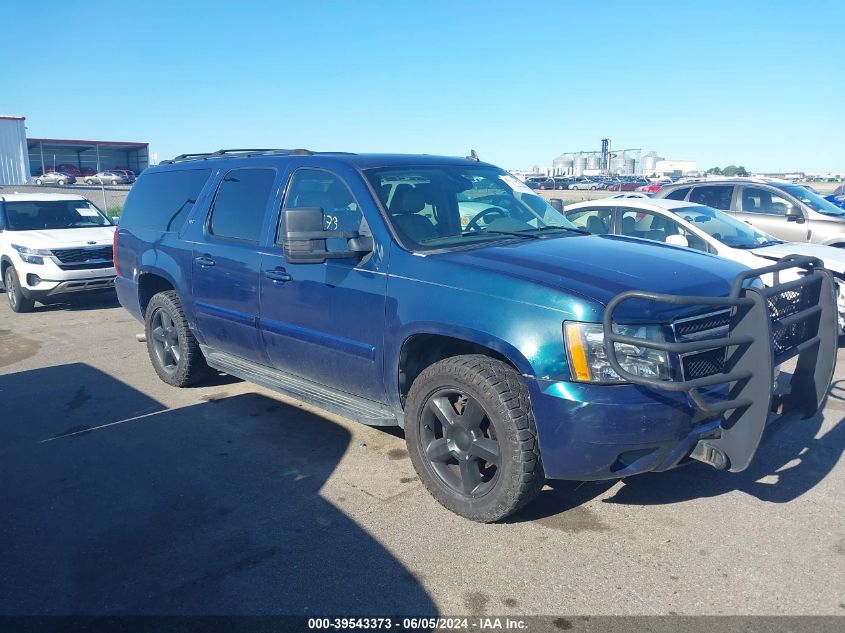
443 296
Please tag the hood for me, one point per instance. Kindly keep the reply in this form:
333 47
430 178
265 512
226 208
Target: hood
833 258
62 238
599 267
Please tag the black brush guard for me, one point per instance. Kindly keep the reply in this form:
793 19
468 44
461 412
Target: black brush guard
800 315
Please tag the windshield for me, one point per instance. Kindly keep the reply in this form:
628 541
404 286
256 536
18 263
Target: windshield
33 215
813 200
725 228
435 207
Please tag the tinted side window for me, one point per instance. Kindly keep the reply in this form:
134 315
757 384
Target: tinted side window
718 197
241 201
162 201
597 220
755 200
318 188
678 194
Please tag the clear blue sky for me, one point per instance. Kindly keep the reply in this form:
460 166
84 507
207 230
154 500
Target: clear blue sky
752 83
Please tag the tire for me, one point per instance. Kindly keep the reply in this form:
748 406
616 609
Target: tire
17 302
60 182
174 352
88 181
592 188
38 181
459 467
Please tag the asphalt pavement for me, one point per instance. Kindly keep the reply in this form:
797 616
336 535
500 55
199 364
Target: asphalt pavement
122 495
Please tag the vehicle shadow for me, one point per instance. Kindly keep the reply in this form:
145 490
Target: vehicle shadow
115 505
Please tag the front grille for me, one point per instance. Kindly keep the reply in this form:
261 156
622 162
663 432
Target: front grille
81 255
710 361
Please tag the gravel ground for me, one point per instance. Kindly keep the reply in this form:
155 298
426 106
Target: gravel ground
122 495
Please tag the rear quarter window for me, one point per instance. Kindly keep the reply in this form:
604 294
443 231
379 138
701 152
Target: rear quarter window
161 201
678 194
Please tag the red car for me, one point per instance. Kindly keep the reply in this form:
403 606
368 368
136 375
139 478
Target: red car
652 188
629 185
68 169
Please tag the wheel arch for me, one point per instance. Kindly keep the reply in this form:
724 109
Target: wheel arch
421 349
150 283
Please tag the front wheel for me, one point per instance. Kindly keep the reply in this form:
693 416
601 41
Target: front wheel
38 181
61 182
471 436
173 349
17 301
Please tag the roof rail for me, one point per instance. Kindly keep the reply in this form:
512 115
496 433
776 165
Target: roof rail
240 153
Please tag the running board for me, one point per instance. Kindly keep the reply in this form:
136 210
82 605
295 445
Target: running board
338 402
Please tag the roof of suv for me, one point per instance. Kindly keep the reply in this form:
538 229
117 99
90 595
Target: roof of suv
636 203
736 180
361 161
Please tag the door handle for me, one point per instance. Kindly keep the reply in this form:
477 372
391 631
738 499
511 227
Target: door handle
278 276
204 261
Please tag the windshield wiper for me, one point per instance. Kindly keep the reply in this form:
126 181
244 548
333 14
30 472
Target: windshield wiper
495 232
550 227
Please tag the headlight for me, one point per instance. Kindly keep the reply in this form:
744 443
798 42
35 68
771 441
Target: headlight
32 255
587 353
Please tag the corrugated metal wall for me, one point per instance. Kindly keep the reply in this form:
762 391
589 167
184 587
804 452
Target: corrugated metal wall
14 158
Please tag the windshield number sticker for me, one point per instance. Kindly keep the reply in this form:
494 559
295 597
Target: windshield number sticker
517 185
87 212
331 222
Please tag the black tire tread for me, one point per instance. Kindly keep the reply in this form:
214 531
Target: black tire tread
502 385
192 366
22 304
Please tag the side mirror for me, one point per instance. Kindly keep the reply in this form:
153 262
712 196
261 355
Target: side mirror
794 214
305 240
557 203
115 220
677 240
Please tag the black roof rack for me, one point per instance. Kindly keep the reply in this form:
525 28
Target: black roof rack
243 153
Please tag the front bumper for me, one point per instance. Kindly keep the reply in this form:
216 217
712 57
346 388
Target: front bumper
57 288
589 431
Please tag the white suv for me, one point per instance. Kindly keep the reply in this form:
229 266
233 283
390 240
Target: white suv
53 244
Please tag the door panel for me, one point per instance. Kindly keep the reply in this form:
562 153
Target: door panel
325 322
766 210
227 263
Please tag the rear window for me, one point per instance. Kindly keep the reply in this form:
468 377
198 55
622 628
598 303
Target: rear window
162 201
678 194
716 196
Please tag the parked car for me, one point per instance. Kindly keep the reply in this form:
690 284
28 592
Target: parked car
582 183
506 347
53 245
66 168
562 182
540 182
87 171
627 185
108 178
705 229
652 187
128 174
789 212
55 178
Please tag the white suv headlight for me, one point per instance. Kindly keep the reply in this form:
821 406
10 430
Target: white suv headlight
32 255
587 353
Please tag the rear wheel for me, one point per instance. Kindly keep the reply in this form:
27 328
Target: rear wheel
17 301
471 436
173 349
38 181
61 182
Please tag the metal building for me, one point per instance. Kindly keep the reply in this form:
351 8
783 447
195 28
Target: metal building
86 157
14 160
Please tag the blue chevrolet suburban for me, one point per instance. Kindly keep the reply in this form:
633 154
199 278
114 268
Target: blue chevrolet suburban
444 296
